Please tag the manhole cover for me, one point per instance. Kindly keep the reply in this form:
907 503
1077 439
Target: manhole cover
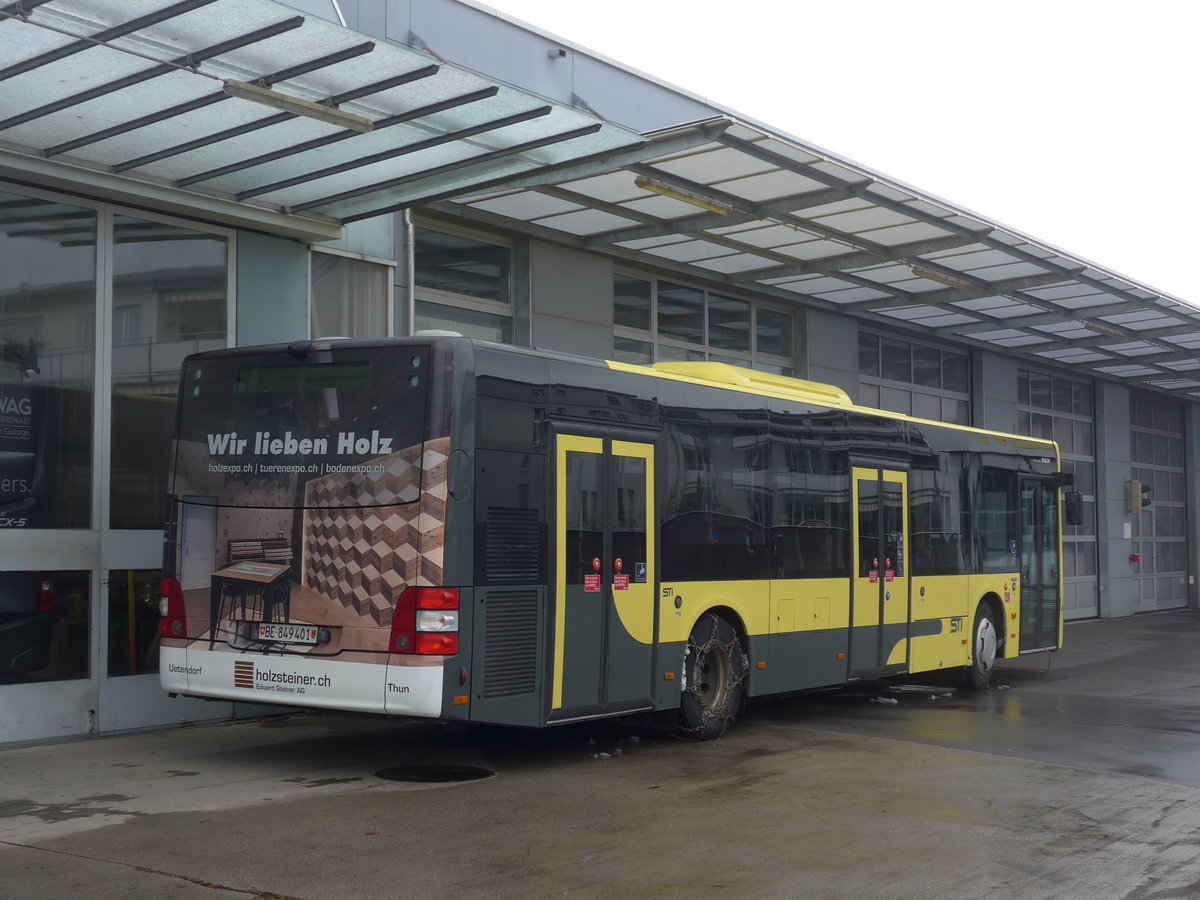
433 774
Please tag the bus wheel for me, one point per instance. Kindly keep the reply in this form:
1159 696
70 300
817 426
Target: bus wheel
714 671
984 640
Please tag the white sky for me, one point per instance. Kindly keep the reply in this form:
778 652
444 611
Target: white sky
1073 122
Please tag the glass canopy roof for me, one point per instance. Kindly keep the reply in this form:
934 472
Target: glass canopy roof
152 90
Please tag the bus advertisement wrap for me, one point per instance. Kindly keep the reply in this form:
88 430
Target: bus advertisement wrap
302 508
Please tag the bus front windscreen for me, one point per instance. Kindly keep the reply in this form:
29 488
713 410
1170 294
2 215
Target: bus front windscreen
335 429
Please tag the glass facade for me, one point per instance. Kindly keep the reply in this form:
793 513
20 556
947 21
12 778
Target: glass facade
47 388
98 308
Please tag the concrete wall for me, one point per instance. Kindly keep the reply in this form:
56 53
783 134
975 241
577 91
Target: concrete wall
371 237
571 300
272 289
830 348
1114 520
994 391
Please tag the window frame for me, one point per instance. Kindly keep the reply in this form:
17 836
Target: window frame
873 389
503 309
664 349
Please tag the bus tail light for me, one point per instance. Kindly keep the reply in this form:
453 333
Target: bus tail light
173 623
425 622
437 644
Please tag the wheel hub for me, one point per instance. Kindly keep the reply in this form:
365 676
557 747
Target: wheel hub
985 645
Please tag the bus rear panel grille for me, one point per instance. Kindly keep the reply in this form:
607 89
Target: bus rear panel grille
510 643
512 546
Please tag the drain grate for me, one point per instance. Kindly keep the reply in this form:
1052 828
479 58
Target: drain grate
434 774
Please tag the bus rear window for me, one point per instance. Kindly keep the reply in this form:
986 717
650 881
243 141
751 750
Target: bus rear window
303 377
259 430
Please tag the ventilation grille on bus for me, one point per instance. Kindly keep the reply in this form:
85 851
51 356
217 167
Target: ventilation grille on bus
511 554
510 643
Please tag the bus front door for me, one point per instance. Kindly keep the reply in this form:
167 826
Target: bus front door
604 590
1040 606
879 607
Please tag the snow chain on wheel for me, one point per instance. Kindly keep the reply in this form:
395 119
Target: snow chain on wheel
714 677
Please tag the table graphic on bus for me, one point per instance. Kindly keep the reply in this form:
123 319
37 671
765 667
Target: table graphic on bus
446 528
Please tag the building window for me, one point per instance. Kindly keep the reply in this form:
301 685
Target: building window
461 265
170 299
914 379
43 626
127 324
47 362
631 350
728 324
463 284
472 323
773 333
349 297
656 320
1060 409
680 313
631 302
133 617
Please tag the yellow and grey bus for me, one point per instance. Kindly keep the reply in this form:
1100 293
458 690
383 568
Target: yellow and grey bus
446 528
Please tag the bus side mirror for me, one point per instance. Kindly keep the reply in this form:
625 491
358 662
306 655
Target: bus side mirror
1073 508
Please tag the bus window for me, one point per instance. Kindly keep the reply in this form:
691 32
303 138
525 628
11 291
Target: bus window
996 520
715 527
810 491
935 504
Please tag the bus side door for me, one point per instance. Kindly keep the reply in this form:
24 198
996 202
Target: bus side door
604 588
879 614
1041 604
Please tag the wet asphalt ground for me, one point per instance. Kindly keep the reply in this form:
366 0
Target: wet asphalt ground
1077 775
1123 697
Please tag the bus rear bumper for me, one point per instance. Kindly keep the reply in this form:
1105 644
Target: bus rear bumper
294 681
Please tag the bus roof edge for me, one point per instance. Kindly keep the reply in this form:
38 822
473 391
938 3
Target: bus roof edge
725 374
